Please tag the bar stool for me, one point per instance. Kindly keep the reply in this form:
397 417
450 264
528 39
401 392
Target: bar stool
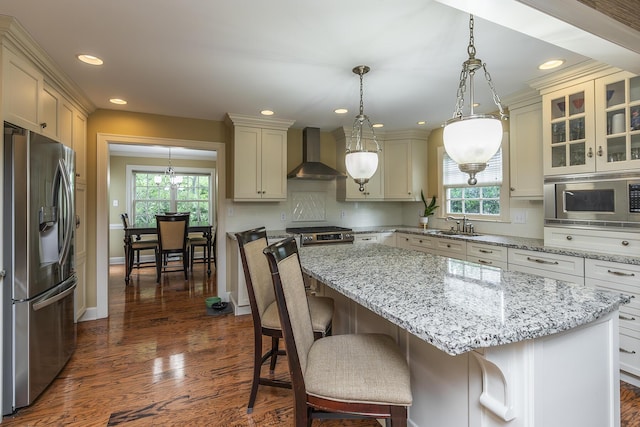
341 376
264 309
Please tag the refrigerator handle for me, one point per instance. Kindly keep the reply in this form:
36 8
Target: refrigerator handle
48 301
68 232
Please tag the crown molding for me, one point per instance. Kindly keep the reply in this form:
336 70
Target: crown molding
579 73
265 123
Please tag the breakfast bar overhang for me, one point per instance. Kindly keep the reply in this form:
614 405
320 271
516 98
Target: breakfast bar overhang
486 347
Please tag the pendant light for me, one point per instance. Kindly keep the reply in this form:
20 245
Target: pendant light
170 173
360 161
472 140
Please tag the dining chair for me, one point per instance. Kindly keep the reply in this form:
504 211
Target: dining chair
137 246
172 239
207 251
264 310
352 375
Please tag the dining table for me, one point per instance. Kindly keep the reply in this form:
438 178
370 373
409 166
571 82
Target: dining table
134 233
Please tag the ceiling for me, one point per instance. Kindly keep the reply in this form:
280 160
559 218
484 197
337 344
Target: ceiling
203 58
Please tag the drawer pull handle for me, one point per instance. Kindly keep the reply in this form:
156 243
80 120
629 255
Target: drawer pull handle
625 243
624 350
569 238
481 261
620 273
366 238
448 245
484 251
621 317
541 261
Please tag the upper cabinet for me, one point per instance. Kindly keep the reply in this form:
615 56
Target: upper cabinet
618 122
525 153
258 161
22 92
402 167
593 126
569 130
405 165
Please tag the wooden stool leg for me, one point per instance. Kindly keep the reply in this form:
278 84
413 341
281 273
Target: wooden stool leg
274 353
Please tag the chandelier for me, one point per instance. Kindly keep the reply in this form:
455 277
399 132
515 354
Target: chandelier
172 179
472 140
361 162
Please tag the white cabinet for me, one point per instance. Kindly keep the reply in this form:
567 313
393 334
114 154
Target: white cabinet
258 160
79 144
403 240
493 255
617 100
449 247
622 278
553 266
569 130
405 160
593 126
22 92
525 150
603 241
387 238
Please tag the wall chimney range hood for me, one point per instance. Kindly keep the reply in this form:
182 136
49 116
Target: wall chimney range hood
311 167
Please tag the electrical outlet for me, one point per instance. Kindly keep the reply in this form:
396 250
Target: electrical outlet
343 214
229 211
283 216
520 216
115 203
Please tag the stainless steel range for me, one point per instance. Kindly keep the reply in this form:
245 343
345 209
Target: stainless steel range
322 235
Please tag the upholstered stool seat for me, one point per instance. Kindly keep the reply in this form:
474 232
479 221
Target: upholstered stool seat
321 309
359 374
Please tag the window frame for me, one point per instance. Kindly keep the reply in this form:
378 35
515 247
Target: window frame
130 169
504 188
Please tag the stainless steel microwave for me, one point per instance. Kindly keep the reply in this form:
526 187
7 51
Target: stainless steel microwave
611 200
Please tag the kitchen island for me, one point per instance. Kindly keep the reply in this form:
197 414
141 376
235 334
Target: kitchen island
485 347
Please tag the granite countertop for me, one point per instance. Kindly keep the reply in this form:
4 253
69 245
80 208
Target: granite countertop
457 306
489 239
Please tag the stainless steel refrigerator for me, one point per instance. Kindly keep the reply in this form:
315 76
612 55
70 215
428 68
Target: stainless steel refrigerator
39 331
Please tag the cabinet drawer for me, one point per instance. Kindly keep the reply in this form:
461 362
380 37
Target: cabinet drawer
423 244
489 262
451 248
630 290
365 238
547 262
630 319
610 242
623 274
629 353
486 252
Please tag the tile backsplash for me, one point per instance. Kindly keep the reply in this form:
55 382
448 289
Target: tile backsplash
308 206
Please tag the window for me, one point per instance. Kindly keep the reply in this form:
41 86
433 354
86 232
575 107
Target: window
148 197
488 199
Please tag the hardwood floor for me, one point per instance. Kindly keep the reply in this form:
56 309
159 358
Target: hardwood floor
161 360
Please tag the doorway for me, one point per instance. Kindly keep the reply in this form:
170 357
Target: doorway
104 141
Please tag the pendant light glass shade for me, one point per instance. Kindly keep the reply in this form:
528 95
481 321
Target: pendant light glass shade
472 140
361 163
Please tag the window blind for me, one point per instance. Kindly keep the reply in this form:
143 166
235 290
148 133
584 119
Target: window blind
453 177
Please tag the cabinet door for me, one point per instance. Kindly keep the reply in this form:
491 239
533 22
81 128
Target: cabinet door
398 182
273 164
568 133
22 84
248 164
617 100
50 101
65 130
81 250
79 142
525 151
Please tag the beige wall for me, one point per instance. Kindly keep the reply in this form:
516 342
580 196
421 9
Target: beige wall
132 124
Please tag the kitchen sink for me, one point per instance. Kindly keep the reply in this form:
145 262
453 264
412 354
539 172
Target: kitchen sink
454 233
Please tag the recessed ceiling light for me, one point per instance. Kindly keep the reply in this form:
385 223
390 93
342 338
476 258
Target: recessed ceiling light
553 63
341 111
378 125
267 113
422 122
90 59
117 101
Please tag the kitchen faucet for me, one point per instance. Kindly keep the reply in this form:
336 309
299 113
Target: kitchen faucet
467 227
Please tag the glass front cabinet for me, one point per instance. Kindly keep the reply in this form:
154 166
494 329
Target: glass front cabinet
569 137
618 122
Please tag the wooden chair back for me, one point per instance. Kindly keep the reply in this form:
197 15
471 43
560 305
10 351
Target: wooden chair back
172 232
